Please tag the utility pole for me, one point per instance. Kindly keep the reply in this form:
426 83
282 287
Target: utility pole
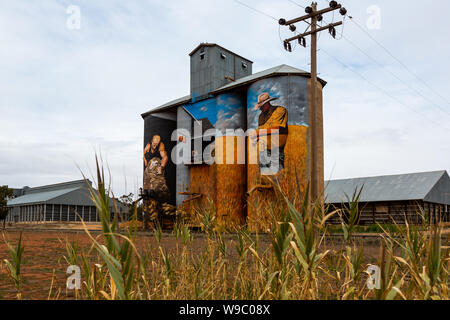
316 113
317 158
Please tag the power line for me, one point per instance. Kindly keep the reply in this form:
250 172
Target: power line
297 4
347 67
268 15
391 73
381 89
394 75
399 61
256 10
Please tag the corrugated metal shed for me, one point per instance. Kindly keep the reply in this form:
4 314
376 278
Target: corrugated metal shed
425 186
276 71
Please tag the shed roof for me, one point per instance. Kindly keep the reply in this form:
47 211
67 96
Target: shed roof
168 105
413 186
276 71
58 186
39 197
67 193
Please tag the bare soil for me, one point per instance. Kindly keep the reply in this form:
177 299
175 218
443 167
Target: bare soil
45 246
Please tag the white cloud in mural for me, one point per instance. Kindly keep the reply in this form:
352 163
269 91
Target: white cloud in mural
224 121
228 101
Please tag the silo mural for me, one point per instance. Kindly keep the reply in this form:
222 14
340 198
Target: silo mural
277 117
222 112
224 181
159 170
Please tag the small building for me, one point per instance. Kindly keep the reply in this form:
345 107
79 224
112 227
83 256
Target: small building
57 202
386 199
18 192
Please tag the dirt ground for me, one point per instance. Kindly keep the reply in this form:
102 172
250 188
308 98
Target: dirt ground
45 248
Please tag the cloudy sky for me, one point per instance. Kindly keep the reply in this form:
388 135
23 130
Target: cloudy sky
66 93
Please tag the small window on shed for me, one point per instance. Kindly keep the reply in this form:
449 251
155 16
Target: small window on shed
223 55
382 209
202 55
244 65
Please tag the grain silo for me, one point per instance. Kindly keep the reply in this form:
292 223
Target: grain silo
278 109
211 157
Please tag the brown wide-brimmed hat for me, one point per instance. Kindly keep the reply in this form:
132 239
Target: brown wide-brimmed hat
263 99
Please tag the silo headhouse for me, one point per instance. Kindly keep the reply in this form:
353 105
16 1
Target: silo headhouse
235 131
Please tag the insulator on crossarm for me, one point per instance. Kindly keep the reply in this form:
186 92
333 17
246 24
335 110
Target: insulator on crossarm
308 10
302 42
287 46
332 31
292 27
282 22
333 4
343 11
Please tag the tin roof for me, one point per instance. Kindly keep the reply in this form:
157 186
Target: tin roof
67 193
276 71
39 197
280 70
168 105
426 186
206 44
58 186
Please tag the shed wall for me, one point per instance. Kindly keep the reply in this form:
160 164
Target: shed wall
440 193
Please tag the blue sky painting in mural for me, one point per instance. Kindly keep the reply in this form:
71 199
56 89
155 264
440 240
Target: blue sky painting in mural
223 112
291 92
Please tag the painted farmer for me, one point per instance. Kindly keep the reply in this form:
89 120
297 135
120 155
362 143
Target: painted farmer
155 161
272 133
